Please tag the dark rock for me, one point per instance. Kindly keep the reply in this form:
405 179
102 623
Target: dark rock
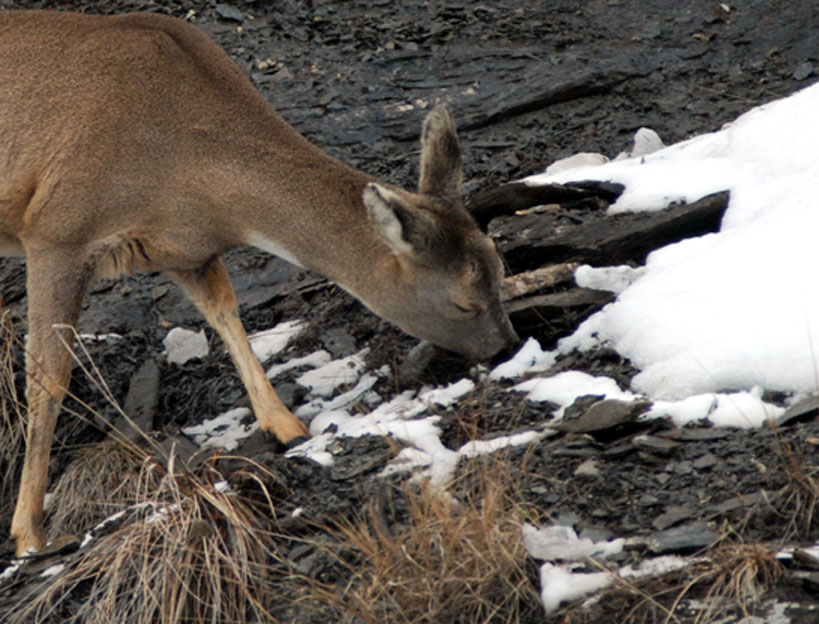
686 538
744 501
415 363
655 444
228 12
589 469
596 534
338 342
516 196
698 434
291 394
803 71
709 460
804 410
673 515
602 415
531 240
530 313
141 400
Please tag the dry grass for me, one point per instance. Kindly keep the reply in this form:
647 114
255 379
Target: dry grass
800 497
12 422
192 554
103 479
732 579
452 561
186 551
740 575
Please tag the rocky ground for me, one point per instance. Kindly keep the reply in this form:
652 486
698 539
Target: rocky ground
529 83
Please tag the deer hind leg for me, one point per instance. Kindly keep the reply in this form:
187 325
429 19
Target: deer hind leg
210 289
55 286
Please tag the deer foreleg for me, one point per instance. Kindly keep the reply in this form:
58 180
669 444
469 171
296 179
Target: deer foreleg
210 289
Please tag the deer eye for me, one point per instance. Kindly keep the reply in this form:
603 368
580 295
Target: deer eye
468 311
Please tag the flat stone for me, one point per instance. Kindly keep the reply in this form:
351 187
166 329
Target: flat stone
688 537
655 444
698 434
802 411
742 501
673 515
603 415
709 460
589 469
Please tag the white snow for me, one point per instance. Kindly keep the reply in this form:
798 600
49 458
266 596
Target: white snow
314 406
614 279
266 344
313 360
475 448
224 431
731 310
562 579
100 337
445 397
560 542
560 584
53 570
324 380
529 358
656 566
738 409
565 387
10 570
182 345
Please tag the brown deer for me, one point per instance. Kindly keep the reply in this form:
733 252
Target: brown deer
134 143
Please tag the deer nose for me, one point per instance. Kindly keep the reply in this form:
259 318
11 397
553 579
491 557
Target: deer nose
500 337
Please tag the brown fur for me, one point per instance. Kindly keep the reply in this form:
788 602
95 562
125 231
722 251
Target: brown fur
134 143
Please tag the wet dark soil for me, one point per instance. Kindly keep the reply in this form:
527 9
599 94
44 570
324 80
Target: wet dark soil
528 83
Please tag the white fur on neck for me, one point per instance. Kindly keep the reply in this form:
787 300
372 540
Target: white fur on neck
272 247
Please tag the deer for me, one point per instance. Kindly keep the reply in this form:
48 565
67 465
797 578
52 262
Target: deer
134 143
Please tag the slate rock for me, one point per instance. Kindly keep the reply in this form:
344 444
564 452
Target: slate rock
686 538
228 12
803 71
141 400
589 469
674 514
603 415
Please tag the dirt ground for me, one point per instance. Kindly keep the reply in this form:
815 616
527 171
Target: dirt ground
528 83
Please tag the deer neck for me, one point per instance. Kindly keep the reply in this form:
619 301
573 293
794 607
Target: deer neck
305 207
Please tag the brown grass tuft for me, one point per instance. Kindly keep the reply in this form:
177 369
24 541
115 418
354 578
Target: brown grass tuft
452 561
12 421
103 479
798 509
735 580
732 579
193 554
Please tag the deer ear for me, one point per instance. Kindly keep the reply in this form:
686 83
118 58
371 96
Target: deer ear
404 229
440 157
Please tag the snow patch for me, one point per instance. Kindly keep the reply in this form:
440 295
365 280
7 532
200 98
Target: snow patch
224 431
324 380
313 360
702 316
53 570
445 397
560 584
183 345
529 358
266 344
560 542
564 388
